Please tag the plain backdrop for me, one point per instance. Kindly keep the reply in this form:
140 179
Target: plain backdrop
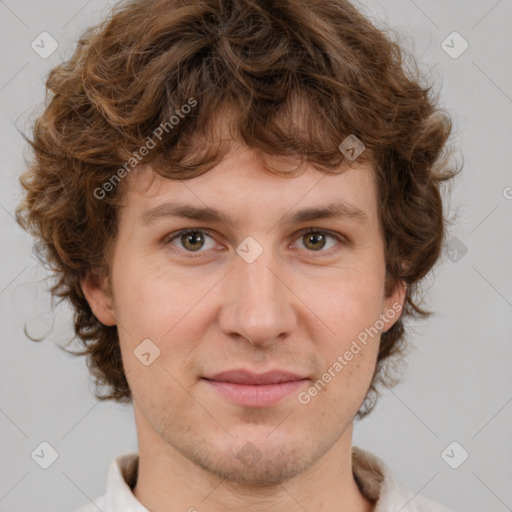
457 385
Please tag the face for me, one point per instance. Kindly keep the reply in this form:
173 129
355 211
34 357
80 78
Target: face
249 320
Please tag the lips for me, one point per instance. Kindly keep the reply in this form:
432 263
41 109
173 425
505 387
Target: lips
246 377
243 388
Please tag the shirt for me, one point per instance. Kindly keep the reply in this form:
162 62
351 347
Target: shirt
374 478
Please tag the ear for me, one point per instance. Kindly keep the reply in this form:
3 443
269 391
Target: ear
96 290
393 305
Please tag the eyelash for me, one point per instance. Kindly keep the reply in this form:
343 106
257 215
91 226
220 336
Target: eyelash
173 236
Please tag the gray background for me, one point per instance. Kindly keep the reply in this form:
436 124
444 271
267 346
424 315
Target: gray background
457 386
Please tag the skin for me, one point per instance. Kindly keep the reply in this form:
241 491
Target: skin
297 307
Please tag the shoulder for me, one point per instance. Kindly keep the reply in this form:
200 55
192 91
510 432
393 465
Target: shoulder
378 483
407 500
118 495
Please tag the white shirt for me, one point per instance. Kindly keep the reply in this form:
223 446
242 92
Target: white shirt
371 474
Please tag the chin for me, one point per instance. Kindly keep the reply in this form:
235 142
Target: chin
256 459
252 467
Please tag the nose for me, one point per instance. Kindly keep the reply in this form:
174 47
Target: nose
258 304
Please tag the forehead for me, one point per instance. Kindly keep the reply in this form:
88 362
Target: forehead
241 186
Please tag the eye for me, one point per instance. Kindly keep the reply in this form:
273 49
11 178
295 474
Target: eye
191 240
316 240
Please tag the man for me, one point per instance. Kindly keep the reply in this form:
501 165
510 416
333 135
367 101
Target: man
239 199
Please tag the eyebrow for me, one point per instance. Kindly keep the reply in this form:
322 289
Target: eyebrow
336 210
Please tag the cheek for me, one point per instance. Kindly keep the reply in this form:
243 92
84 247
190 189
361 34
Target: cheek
148 299
347 304
139 304
165 307
349 309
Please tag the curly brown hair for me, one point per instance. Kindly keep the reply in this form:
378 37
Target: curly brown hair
298 77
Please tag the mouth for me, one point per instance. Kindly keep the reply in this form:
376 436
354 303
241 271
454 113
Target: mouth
255 390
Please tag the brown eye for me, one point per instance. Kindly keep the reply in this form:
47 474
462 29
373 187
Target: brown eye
193 240
314 241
